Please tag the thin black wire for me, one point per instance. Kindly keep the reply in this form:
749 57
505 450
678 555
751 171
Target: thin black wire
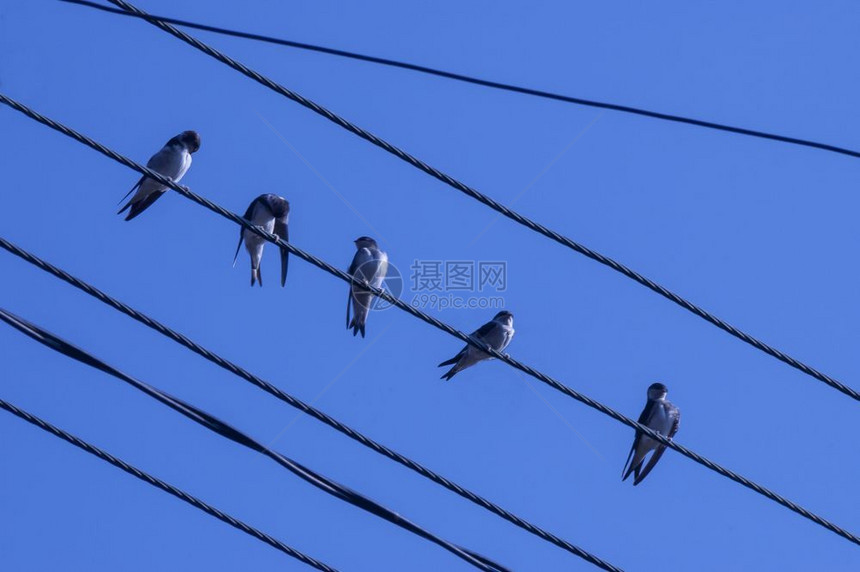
262 384
168 488
482 82
229 432
304 407
557 385
498 207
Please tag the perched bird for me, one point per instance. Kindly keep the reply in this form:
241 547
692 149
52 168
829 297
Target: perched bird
497 333
370 264
662 417
272 213
172 161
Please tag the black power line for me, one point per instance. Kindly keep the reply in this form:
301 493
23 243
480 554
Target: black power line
498 207
168 488
482 82
555 384
304 407
229 432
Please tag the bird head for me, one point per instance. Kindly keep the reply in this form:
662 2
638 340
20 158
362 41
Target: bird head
657 391
504 317
190 140
279 205
365 242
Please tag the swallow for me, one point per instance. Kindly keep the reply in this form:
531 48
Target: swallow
271 213
172 161
661 416
497 333
369 264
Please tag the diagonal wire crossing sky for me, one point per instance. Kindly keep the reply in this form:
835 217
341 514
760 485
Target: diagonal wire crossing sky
229 432
498 207
484 82
555 384
166 487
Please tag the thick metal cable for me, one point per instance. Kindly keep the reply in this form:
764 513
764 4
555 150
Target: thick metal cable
229 432
557 385
262 384
304 407
482 82
158 483
498 207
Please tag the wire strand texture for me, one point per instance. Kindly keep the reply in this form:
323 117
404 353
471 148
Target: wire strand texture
498 207
231 433
184 191
483 82
305 408
166 487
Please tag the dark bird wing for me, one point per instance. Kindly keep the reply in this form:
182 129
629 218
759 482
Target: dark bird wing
454 359
248 216
133 189
239 246
361 257
478 335
282 230
352 268
484 330
643 420
142 205
661 448
154 163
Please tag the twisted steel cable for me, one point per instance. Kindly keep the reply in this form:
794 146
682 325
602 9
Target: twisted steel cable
168 488
557 385
304 407
498 207
482 82
229 432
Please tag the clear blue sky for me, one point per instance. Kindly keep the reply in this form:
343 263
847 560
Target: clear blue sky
762 234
